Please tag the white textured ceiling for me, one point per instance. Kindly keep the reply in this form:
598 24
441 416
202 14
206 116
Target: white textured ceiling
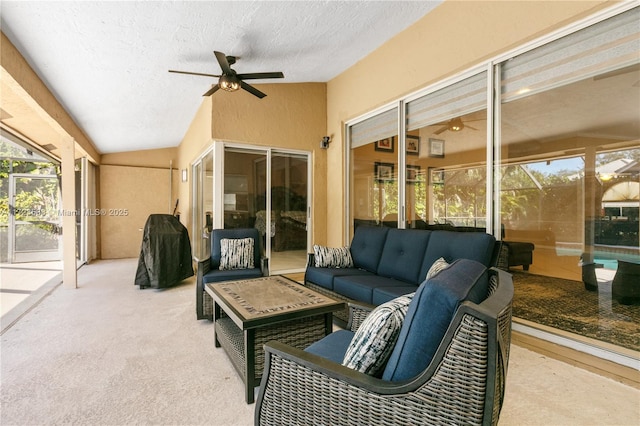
107 62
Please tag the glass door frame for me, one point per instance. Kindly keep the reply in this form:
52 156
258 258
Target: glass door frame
11 253
218 150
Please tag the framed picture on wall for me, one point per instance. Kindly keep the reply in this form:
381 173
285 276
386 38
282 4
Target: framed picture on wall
436 176
385 144
383 172
413 145
413 174
436 148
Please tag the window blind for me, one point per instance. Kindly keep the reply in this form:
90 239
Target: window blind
592 52
458 99
378 127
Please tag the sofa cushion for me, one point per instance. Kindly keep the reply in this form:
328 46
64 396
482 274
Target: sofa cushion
332 346
366 246
452 245
324 276
360 287
236 253
403 254
330 257
430 314
372 344
382 295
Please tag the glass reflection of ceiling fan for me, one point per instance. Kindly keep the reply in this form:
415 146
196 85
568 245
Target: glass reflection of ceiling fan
455 125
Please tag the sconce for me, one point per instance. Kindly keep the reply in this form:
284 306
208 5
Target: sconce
326 140
184 175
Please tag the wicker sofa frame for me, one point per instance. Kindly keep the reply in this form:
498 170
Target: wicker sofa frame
463 384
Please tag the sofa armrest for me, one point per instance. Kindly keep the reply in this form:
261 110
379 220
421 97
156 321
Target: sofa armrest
311 259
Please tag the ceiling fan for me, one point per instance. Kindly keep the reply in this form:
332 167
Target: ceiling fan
454 125
231 81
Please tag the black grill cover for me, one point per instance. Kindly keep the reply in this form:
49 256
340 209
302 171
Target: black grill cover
165 254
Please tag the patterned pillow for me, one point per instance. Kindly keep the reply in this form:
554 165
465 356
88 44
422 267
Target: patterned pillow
437 267
236 253
327 257
372 344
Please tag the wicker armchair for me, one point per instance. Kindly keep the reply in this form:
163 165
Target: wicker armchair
208 269
463 384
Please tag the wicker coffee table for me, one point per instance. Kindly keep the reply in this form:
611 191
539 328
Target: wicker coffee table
249 313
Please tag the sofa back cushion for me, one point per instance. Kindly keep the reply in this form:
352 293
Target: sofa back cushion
452 245
366 246
430 313
237 233
403 254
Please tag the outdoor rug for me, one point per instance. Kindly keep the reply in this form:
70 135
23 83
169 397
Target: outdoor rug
566 305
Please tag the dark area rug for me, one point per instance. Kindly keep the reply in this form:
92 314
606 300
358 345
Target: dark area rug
566 305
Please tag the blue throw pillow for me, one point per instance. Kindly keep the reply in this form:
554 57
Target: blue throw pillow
430 314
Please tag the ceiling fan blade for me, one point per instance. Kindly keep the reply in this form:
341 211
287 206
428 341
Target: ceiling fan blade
440 130
222 60
257 75
194 73
252 90
466 126
214 89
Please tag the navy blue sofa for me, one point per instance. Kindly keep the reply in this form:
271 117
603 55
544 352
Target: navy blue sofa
388 262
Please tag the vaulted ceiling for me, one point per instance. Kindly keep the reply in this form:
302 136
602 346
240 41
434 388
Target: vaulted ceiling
107 62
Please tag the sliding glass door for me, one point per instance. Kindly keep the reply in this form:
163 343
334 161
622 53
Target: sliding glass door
244 186
268 190
289 210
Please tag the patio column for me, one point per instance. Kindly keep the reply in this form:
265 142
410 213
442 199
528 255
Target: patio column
69 212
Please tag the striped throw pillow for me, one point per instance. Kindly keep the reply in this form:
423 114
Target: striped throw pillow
236 253
373 343
328 257
437 267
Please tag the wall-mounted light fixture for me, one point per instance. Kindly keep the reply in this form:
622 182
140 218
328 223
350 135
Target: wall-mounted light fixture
184 175
326 140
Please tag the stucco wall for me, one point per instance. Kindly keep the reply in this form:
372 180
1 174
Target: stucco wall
128 196
453 37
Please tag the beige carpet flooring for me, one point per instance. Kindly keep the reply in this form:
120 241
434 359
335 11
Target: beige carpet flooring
109 353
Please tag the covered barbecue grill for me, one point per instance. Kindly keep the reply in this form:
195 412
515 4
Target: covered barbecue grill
165 254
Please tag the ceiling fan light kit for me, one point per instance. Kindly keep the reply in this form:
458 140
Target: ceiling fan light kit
456 125
229 80
230 83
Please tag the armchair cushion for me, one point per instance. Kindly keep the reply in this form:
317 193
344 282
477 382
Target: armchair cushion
372 344
332 346
236 253
218 234
216 275
430 314
328 257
